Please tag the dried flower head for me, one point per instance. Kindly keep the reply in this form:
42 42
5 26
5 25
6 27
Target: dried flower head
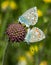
16 32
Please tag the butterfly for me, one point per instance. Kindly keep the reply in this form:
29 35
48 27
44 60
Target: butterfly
30 17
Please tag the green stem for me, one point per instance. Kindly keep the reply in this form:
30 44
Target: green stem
37 59
4 24
6 52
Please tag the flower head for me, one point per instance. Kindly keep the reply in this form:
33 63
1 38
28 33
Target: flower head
6 4
16 32
33 49
43 63
13 5
36 48
29 55
22 58
22 61
47 1
40 13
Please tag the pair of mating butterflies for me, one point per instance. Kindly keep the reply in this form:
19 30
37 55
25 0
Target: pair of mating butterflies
30 17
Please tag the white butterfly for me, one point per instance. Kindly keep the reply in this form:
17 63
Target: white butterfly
30 17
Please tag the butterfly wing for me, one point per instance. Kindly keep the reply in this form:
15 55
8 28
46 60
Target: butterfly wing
34 35
30 17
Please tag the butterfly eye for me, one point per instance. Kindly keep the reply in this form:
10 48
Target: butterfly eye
30 17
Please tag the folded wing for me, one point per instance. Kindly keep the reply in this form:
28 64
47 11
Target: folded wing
30 17
34 35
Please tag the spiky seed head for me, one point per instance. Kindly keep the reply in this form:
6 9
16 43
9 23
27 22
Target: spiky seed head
16 32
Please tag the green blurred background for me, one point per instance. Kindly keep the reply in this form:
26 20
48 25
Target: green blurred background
10 10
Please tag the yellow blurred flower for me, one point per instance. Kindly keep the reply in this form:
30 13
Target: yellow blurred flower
43 63
47 1
40 13
10 4
13 5
4 5
21 58
36 48
22 61
32 50
29 55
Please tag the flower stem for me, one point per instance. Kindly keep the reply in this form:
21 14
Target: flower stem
6 52
5 22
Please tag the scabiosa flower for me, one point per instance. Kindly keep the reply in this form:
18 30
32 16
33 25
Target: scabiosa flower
16 32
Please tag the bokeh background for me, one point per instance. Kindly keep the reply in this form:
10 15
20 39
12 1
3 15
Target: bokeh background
10 10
